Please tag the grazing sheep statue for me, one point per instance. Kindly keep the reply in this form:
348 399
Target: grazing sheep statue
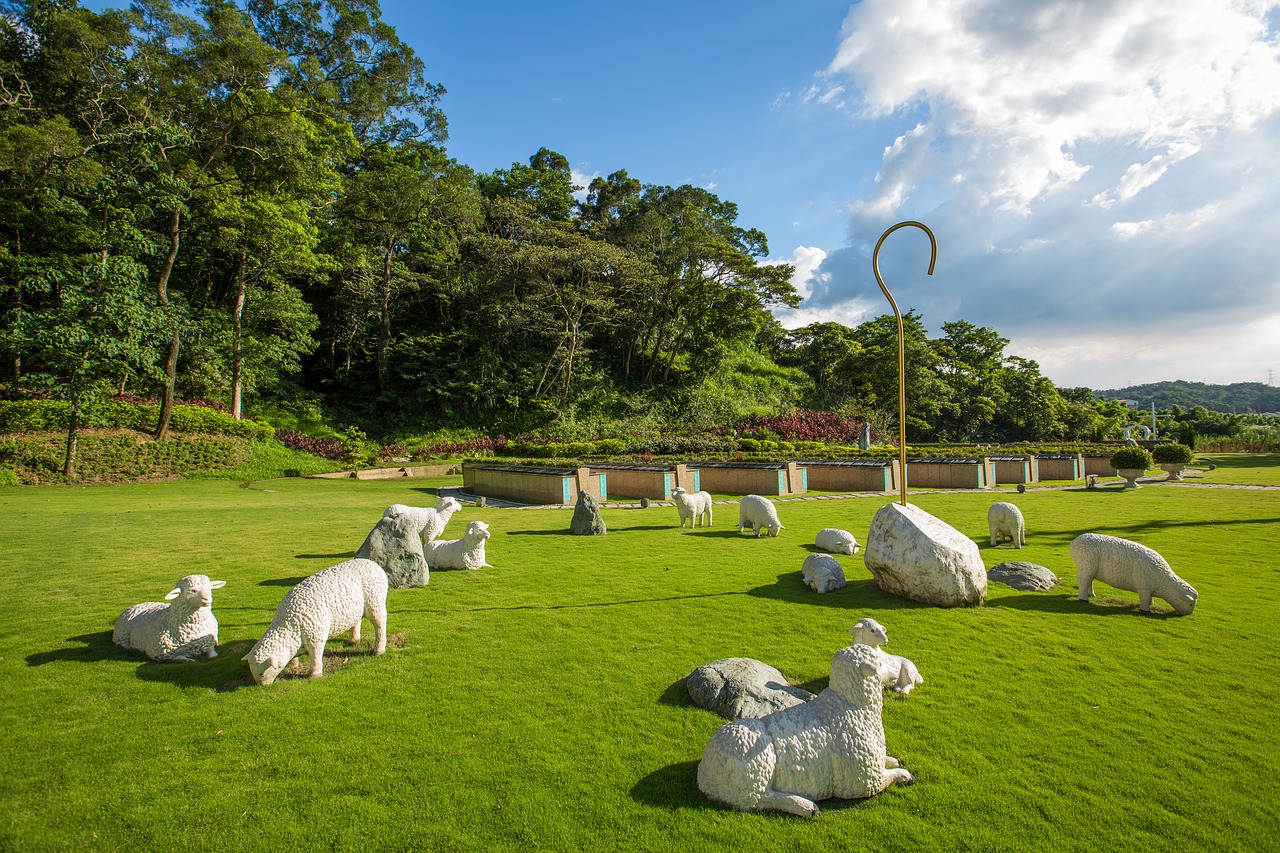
1128 565
464 553
822 573
759 514
183 630
836 541
1004 520
319 608
832 746
430 519
896 672
692 506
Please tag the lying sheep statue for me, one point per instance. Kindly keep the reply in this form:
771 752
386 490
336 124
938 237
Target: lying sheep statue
1004 520
1128 565
431 520
836 541
319 608
759 514
692 506
832 746
183 630
464 553
896 672
822 573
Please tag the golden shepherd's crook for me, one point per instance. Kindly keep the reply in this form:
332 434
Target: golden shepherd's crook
902 348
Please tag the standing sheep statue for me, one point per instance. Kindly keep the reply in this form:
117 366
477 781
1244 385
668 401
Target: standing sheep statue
759 514
832 746
693 507
1128 565
319 608
1004 521
464 553
182 630
431 520
896 672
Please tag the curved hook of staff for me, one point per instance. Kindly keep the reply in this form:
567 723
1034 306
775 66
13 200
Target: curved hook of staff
902 349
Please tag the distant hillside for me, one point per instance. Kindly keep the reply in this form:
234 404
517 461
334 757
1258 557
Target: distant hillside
1244 397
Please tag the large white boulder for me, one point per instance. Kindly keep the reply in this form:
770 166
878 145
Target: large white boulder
915 555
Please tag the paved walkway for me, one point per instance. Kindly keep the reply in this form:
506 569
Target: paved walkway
458 494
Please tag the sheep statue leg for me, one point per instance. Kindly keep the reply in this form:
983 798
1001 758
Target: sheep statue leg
897 776
376 612
1144 600
789 803
355 633
316 650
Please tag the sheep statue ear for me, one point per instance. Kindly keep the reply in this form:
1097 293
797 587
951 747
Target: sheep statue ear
217 584
173 593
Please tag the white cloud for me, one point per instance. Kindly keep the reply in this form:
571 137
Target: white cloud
582 180
1097 174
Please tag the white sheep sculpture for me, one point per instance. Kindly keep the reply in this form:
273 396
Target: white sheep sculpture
832 746
896 672
822 573
693 507
1004 521
759 514
319 608
836 541
431 520
184 629
1128 565
464 553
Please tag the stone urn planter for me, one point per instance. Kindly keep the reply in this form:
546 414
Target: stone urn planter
1131 463
1173 457
1131 476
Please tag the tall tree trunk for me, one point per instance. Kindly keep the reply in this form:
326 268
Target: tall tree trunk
73 443
171 358
237 357
384 326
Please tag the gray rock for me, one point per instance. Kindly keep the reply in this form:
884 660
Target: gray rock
1023 575
742 688
586 517
395 544
915 555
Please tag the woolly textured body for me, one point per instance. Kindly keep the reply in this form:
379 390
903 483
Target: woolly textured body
1004 521
182 629
1124 564
759 514
693 507
836 541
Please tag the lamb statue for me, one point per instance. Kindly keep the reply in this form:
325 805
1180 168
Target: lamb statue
836 541
464 553
759 514
319 608
183 630
1128 565
1004 521
692 506
431 520
822 573
832 746
896 672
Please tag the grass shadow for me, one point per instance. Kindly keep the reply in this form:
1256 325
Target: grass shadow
672 787
1100 605
281 581
676 696
341 555
791 587
96 647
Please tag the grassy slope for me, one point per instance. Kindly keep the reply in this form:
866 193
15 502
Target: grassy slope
536 704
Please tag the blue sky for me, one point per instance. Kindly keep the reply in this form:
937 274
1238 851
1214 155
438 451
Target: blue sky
1100 174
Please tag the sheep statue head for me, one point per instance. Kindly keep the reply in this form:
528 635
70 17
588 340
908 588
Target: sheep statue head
194 592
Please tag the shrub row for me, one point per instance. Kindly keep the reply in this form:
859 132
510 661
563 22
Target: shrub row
802 425
113 458
18 416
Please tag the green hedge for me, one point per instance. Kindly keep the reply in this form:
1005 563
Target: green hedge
17 416
1131 457
1172 454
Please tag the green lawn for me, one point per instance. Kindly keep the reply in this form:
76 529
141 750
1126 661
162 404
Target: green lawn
537 704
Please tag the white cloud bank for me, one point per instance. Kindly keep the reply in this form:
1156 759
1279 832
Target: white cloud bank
1097 173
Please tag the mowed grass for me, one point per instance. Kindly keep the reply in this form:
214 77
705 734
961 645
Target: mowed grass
538 704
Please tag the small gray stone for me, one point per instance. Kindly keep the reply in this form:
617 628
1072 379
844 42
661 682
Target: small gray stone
395 544
1023 575
586 517
742 688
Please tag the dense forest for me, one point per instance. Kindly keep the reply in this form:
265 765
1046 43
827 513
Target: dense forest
1239 397
253 205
